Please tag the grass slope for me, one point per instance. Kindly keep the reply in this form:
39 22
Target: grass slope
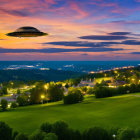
119 111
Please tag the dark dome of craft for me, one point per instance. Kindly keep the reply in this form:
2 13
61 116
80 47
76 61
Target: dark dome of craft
27 29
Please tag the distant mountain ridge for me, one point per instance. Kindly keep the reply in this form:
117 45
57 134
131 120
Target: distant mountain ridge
75 66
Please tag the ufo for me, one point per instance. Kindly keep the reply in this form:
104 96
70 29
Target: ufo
27 31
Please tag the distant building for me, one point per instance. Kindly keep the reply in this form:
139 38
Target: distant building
66 90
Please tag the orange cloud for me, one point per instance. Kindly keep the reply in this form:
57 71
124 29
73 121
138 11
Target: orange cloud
76 7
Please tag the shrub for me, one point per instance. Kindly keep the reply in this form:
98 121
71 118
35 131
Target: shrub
67 85
36 94
60 129
90 91
18 91
95 133
133 88
38 135
73 135
4 104
13 105
74 82
126 134
21 137
15 133
121 90
5 131
51 136
4 91
22 100
74 96
137 132
102 92
112 131
84 89
77 135
54 92
46 127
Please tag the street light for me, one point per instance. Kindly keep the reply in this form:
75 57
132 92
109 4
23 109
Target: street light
114 136
45 86
42 97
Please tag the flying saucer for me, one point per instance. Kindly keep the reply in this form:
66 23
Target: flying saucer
27 31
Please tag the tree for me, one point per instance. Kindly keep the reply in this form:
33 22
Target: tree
75 82
90 91
21 137
51 136
126 134
113 131
18 91
15 133
54 93
13 105
38 135
74 96
67 85
73 135
4 91
77 135
132 88
95 133
60 129
102 92
4 104
84 89
36 94
121 90
137 132
46 127
22 100
5 131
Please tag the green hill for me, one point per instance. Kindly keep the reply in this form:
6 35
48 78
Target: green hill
35 74
118 111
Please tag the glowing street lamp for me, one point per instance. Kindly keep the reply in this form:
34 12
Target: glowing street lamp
9 105
42 97
133 80
114 136
45 86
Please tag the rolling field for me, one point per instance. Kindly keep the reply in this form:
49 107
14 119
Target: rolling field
119 111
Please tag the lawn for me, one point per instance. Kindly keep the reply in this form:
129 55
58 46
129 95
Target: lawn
119 111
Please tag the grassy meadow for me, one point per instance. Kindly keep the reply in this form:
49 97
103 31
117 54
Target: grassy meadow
118 111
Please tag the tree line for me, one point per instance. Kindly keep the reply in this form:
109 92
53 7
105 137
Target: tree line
102 91
61 131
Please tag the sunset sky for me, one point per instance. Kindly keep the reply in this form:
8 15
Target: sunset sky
78 29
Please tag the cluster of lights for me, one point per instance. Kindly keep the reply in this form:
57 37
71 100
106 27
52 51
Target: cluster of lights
117 68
